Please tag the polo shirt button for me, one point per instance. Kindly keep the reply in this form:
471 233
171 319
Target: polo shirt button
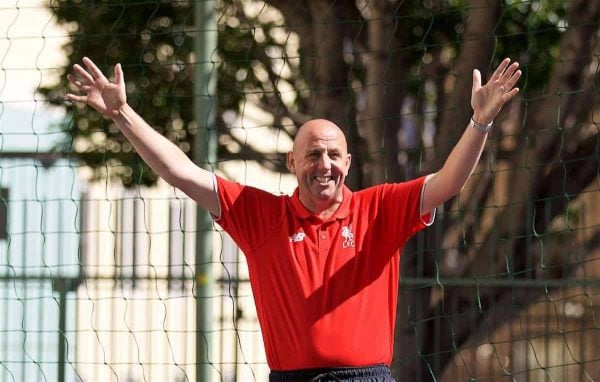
323 236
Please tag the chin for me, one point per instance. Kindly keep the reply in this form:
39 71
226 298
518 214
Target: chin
321 194
328 194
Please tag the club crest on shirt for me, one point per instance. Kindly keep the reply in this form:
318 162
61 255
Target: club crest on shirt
348 237
297 237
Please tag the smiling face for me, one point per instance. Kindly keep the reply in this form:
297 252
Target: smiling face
320 161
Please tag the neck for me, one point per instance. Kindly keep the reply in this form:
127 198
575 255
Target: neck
323 210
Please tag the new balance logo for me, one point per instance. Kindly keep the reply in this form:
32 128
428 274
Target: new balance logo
297 237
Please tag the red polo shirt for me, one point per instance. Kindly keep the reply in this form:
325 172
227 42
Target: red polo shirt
325 291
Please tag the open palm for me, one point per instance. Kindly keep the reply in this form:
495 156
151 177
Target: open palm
97 91
487 100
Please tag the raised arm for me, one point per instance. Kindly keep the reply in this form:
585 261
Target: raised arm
169 162
486 102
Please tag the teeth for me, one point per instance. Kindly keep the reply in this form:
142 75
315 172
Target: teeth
323 179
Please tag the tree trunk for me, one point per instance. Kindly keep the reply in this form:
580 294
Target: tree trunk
414 335
330 95
476 52
371 121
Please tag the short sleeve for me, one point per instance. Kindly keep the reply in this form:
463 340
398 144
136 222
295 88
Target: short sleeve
247 214
401 208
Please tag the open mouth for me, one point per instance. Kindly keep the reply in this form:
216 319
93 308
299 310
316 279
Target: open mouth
323 180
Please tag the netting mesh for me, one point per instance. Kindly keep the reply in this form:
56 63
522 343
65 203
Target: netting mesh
98 260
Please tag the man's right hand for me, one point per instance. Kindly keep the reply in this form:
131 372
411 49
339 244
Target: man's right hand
98 92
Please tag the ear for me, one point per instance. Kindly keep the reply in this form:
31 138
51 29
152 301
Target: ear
348 162
291 165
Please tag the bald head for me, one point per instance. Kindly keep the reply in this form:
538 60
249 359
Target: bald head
316 129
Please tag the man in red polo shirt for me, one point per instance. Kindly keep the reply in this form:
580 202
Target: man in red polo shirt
324 262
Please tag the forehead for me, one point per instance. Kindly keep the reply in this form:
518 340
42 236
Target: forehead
328 139
321 136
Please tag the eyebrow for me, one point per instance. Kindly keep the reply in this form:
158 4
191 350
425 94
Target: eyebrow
319 150
313 151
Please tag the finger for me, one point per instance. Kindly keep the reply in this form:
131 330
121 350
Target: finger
78 84
476 80
119 77
76 98
74 81
513 79
83 74
94 70
510 71
500 69
509 95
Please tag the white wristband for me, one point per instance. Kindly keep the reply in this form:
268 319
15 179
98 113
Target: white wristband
481 127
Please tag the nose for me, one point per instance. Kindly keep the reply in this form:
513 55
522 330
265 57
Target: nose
324 162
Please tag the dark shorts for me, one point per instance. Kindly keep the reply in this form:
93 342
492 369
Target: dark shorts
377 373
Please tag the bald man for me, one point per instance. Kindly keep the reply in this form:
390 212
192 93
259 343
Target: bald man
323 262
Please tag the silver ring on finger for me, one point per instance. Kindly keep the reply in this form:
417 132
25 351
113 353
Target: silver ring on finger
504 89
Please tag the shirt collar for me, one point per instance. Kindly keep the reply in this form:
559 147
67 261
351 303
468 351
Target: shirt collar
303 213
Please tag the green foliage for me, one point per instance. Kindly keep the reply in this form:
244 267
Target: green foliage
153 42
529 32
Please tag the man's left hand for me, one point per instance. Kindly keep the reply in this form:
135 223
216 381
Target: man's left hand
487 100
